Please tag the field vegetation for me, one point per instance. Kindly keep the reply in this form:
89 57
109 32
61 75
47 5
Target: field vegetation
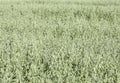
60 41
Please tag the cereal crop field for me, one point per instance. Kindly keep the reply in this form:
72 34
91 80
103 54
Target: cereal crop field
59 41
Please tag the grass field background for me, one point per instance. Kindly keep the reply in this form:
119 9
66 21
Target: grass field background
60 41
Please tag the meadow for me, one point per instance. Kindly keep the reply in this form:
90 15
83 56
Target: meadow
60 41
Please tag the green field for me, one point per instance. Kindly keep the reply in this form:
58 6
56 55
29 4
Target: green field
60 41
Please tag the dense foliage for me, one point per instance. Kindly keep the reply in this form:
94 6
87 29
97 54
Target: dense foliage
59 42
